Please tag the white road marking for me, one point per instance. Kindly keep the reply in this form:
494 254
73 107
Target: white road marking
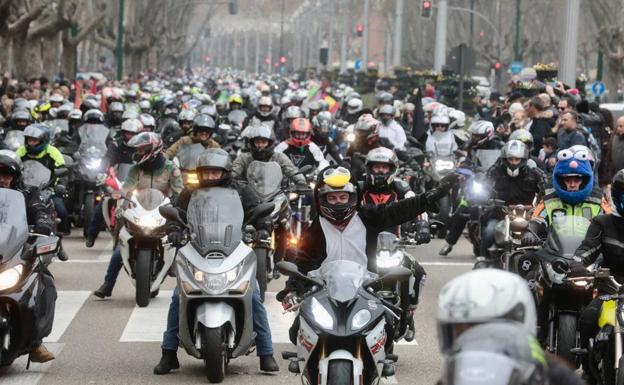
16 374
103 257
446 264
87 261
389 380
67 306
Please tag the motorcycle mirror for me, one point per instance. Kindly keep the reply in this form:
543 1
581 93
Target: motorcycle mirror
291 270
397 274
262 210
170 213
61 172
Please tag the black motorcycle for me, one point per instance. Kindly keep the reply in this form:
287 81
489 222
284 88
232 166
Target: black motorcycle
27 291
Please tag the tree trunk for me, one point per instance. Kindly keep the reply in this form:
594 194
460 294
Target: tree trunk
613 78
28 61
5 58
50 48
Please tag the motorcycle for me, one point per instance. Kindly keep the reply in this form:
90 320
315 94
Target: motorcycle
343 331
112 181
215 274
27 291
265 180
560 300
14 139
90 162
441 166
187 159
145 254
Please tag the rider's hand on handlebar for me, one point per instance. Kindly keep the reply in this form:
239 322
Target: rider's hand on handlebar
289 301
529 239
116 195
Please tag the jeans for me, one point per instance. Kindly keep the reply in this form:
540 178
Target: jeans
59 206
458 221
114 266
487 236
97 222
264 343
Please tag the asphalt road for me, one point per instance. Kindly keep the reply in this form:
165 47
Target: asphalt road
114 342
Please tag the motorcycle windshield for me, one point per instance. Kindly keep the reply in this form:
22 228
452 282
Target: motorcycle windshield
215 216
265 178
566 234
149 198
236 117
481 368
35 174
343 279
14 139
386 241
13 225
122 170
188 155
486 158
57 126
93 140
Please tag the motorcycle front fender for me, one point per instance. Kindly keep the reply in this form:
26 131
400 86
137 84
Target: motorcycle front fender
215 314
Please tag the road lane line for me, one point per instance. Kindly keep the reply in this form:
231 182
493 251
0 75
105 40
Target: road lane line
16 374
447 264
68 304
147 324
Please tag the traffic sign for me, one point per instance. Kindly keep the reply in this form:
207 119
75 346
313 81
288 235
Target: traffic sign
358 65
516 67
598 88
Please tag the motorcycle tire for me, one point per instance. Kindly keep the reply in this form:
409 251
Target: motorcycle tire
444 206
566 337
213 351
608 374
88 210
143 276
619 377
339 372
262 256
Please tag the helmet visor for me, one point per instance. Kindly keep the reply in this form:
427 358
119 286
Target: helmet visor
482 368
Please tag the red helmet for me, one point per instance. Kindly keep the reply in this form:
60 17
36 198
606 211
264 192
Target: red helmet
300 132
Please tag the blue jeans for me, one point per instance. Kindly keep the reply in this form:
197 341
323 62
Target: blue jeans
114 266
264 343
487 236
59 206
97 222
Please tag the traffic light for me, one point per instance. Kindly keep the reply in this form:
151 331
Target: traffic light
497 66
233 7
425 9
283 59
359 29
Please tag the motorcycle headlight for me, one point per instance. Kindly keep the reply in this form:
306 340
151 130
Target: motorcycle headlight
11 277
149 222
360 319
385 260
554 276
217 283
350 137
190 178
477 188
443 165
93 164
292 196
321 315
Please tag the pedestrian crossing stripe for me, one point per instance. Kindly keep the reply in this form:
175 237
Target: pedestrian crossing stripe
68 304
16 373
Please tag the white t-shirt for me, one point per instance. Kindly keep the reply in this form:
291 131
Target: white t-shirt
348 244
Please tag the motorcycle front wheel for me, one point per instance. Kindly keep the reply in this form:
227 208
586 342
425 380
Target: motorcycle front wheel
143 275
213 351
566 337
339 372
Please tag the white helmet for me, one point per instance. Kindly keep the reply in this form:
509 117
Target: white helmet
265 106
481 296
132 125
354 106
458 119
481 127
515 149
440 116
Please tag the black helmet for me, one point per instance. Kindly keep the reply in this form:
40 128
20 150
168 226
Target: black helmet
211 159
617 191
336 179
496 353
203 122
260 131
12 166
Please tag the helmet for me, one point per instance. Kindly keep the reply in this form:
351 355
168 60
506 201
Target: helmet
354 106
409 107
116 107
324 105
209 110
12 166
299 96
235 98
314 107
20 119
89 104
203 123
148 122
365 125
440 117
381 155
515 149
130 114
385 98
56 98
265 106
210 159
617 192
293 112
336 179
147 147
256 131
185 118
300 132
37 131
132 125
524 136
63 111
75 114
458 119
323 122
145 105
93 116
573 163
590 154
285 100
496 353
481 296
386 113
481 131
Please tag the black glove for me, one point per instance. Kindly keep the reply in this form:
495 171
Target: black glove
42 228
577 269
301 186
529 239
175 237
443 188
60 190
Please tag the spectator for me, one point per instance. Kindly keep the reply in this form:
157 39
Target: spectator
548 153
570 134
541 121
615 155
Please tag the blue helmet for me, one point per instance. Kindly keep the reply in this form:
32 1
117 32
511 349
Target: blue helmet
573 163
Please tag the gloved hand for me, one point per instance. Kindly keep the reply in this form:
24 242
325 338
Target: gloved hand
42 228
529 239
577 269
60 190
445 185
301 186
175 237
423 236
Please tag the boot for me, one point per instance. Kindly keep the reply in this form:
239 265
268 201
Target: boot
446 249
268 364
168 362
106 290
89 241
62 255
410 333
40 354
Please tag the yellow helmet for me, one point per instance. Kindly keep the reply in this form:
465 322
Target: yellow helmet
235 98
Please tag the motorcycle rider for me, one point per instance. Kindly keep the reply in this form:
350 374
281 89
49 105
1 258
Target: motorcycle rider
263 113
214 169
203 128
114 114
37 147
289 116
322 126
152 170
20 118
300 148
441 141
38 214
513 182
119 152
389 128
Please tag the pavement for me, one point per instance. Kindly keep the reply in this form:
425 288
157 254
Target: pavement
113 341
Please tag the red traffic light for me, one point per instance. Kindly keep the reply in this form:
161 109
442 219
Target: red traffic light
267 61
497 65
426 4
425 9
283 59
359 28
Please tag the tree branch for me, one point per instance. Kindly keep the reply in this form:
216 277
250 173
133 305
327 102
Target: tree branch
27 18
